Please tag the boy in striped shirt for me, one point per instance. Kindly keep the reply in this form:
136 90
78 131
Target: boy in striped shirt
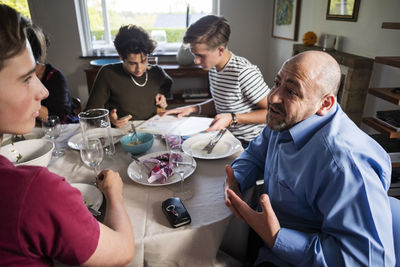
239 93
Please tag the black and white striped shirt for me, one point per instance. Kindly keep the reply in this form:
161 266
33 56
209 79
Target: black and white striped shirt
237 88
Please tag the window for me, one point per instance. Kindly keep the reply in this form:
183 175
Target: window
165 20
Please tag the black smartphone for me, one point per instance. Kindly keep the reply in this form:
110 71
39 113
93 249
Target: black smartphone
176 212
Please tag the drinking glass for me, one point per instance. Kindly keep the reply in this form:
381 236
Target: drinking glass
95 123
92 154
179 162
52 129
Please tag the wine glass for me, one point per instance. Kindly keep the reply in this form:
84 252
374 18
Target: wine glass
52 129
92 154
179 162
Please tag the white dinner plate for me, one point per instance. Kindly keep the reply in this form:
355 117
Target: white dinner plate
92 196
75 141
139 174
36 133
226 146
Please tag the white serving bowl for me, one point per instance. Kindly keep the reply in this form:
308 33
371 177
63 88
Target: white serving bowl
35 152
36 133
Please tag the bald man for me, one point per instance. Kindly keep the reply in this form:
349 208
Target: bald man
325 197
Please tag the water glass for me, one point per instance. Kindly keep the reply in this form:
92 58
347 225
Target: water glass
95 123
92 154
52 129
179 162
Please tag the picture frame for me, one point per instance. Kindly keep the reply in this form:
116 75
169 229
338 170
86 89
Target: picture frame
343 10
285 19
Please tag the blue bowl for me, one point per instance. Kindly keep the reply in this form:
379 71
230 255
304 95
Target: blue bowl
146 140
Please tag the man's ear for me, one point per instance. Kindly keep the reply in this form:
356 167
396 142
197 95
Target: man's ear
221 49
326 104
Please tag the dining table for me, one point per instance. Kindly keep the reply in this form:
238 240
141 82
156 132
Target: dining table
156 242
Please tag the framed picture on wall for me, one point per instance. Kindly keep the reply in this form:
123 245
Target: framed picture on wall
286 19
343 9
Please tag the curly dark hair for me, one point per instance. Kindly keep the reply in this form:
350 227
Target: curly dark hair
132 39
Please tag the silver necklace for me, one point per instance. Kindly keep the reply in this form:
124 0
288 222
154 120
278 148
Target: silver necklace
138 84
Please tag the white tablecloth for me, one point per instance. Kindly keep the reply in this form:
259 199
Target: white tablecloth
156 242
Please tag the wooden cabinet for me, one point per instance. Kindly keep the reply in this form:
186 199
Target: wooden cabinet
387 94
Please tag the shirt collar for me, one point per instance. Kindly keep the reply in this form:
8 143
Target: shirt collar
305 129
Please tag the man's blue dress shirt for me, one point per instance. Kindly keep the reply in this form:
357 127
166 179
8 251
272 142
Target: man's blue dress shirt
327 181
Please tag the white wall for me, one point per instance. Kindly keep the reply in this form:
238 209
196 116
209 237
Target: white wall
251 23
365 37
58 19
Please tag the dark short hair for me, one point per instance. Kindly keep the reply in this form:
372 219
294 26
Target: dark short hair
132 39
12 33
210 30
38 41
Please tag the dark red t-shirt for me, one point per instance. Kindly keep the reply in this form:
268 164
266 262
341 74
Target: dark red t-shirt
42 218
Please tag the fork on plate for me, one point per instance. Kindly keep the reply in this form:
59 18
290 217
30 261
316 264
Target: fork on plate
213 142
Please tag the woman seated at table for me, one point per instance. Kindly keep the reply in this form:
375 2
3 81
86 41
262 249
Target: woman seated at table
43 217
131 88
59 101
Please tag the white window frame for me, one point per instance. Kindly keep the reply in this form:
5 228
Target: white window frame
108 47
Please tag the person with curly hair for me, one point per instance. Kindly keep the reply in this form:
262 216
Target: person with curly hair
124 87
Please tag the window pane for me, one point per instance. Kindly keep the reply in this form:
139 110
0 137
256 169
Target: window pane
199 9
96 22
20 5
165 19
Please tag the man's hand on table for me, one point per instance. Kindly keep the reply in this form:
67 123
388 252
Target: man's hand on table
119 123
110 183
265 223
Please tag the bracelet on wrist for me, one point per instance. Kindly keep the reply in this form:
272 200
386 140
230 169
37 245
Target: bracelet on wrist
198 109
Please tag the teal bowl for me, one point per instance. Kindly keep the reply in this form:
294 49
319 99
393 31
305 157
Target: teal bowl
146 141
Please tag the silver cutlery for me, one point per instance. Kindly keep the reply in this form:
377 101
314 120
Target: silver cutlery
213 142
94 212
16 138
134 134
135 159
104 139
138 161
